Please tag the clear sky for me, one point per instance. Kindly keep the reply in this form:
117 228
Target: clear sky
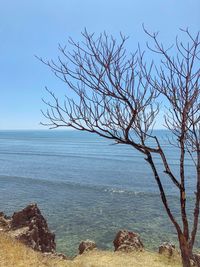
35 27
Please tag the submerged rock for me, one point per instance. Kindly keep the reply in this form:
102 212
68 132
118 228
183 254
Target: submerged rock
168 249
86 245
127 241
30 227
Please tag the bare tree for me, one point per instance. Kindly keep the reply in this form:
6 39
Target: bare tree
117 97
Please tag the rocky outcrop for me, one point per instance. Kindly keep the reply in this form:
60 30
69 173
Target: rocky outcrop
127 241
196 259
30 227
86 245
167 249
4 222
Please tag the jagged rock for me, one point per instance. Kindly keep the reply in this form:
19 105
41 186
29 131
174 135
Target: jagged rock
23 218
30 227
127 241
4 222
196 258
86 245
167 248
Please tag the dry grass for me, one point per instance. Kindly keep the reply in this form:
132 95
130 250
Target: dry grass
15 254
111 259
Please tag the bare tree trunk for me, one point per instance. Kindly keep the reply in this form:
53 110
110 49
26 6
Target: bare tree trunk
186 253
182 189
197 203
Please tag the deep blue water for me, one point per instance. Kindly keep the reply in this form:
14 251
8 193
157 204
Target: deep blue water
87 187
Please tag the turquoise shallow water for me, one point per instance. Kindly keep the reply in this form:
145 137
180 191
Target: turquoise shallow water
86 187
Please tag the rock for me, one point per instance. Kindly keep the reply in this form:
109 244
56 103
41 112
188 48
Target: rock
4 222
61 255
23 218
168 249
127 241
86 245
30 227
196 258
55 255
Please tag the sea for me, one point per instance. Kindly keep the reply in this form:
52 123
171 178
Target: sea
87 187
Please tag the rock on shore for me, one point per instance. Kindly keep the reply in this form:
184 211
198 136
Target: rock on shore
86 245
30 227
168 249
127 241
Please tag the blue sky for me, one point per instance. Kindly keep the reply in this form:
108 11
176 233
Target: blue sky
35 27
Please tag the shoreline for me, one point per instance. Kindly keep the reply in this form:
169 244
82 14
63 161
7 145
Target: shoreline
15 254
27 231
31 228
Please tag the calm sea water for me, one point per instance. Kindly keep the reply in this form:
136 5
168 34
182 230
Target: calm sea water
86 187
